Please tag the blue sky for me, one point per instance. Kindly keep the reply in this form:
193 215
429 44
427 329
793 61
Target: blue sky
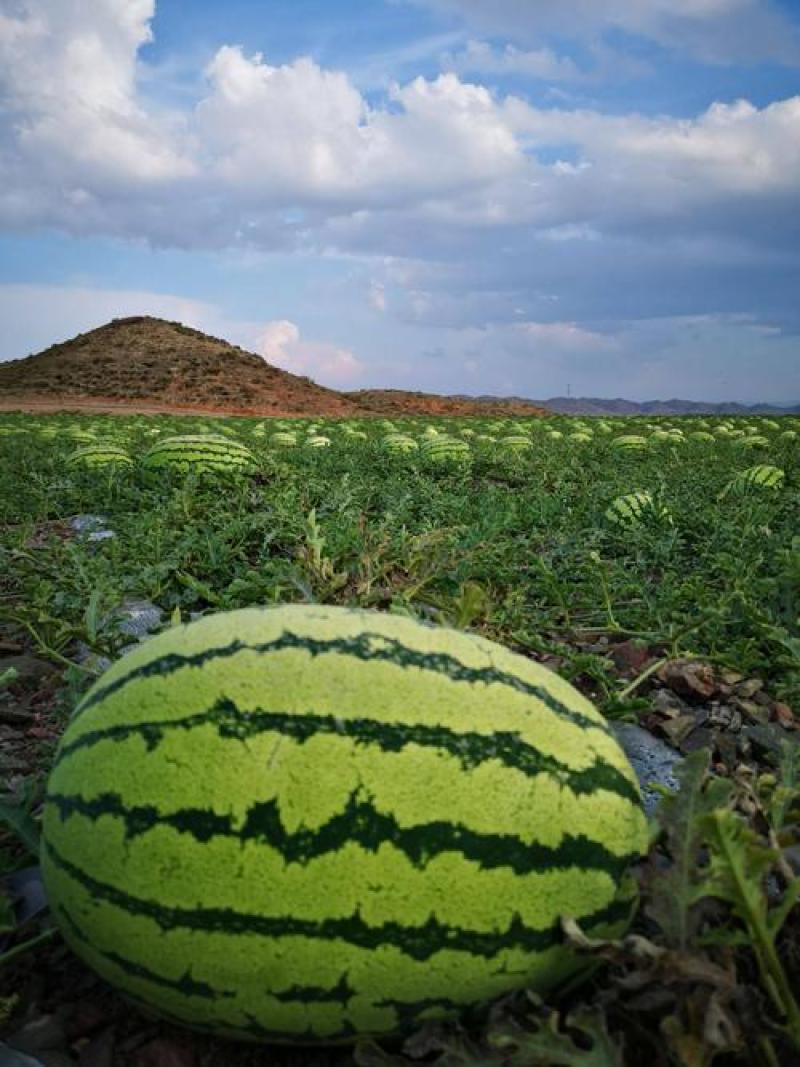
513 197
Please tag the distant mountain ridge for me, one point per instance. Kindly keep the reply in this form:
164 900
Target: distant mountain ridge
590 405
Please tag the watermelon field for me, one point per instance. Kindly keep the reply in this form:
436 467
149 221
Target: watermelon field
654 565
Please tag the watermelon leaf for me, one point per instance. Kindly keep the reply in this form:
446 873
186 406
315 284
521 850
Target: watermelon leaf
548 1046
738 865
16 815
672 892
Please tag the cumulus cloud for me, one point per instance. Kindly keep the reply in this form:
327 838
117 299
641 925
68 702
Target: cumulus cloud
294 156
533 227
281 344
68 84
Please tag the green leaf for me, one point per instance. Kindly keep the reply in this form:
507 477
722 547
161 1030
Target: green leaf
8 677
550 1047
673 891
91 617
472 604
17 817
738 864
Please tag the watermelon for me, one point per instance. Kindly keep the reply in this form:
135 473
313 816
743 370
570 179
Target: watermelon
443 451
631 509
629 443
199 452
399 443
753 441
763 476
284 439
517 442
307 823
99 455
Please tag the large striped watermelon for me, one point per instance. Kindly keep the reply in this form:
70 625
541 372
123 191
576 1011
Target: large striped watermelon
199 452
304 823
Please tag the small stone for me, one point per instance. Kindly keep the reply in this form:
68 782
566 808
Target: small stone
784 715
138 618
679 728
729 679
652 759
747 689
751 711
764 740
630 656
93 660
84 523
689 678
668 703
701 738
724 717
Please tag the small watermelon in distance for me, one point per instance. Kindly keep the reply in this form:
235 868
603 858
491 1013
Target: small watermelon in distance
99 455
307 823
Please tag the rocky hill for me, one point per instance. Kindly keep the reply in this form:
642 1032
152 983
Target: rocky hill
149 364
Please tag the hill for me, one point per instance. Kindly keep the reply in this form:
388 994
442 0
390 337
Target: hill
148 364
583 405
402 402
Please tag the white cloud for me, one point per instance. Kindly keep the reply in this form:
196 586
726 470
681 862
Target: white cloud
377 296
35 316
294 156
280 343
68 84
713 30
541 63
529 225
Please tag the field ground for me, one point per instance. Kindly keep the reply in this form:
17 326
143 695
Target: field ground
683 619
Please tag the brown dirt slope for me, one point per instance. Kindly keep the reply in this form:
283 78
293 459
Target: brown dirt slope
149 364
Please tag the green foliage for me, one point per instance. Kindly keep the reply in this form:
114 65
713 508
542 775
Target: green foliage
514 545
17 815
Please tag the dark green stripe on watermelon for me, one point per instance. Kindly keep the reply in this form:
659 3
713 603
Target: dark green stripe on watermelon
365 648
471 749
417 942
360 824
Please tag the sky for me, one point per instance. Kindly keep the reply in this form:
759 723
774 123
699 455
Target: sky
508 197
